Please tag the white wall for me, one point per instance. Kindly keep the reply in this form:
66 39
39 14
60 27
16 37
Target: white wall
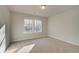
65 26
5 19
17 25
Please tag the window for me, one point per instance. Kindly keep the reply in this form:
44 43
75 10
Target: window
31 25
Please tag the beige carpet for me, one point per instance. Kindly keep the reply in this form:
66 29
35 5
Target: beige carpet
42 45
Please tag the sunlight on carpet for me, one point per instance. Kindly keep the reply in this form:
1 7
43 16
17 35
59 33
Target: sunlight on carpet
26 49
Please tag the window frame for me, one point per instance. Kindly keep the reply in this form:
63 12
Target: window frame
26 32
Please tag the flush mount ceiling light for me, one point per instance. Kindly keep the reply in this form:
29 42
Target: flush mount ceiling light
43 7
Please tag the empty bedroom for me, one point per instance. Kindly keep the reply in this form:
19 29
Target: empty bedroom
39 29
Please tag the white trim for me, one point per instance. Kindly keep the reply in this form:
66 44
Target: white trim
58 38
31 32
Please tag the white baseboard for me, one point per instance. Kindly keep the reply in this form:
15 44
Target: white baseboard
74 43
28 39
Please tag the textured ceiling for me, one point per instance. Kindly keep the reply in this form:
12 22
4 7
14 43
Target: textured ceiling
36 10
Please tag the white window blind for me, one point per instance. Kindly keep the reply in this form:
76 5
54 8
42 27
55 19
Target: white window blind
31 25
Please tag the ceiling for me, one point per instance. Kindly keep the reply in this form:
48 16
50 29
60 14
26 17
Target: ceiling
36 10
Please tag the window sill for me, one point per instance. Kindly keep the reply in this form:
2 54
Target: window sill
31 32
